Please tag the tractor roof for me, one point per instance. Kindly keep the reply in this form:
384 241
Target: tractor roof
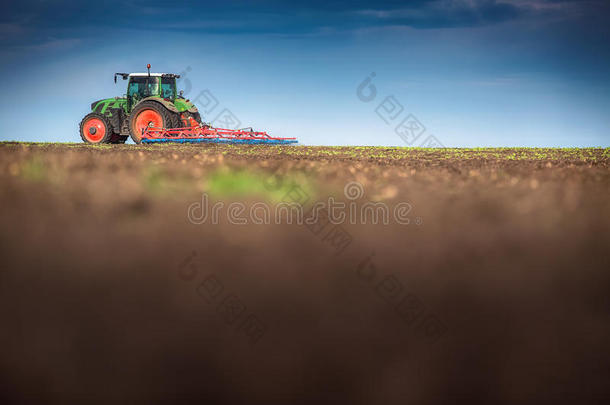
146 74
124 76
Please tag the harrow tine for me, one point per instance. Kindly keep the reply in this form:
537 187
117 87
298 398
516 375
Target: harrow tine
209 134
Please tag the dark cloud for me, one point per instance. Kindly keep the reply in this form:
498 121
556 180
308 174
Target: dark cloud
275 16
25 24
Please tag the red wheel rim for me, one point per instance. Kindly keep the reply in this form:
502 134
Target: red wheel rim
94 129
147 118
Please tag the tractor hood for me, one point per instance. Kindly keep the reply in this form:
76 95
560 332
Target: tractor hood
100 106
185 105
102 102
94 104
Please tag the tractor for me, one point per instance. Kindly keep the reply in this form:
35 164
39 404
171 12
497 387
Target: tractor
151 101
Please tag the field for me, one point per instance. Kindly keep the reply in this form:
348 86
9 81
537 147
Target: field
485 277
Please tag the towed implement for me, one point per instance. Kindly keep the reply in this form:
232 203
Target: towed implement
206 133
152 111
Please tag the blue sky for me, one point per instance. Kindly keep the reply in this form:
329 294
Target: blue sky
471 72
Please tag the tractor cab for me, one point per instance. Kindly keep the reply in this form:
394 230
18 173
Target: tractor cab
143 85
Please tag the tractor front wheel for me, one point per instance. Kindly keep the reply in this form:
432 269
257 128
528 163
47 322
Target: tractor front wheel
148 114
95 128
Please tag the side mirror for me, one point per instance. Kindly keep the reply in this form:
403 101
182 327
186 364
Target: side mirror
123 75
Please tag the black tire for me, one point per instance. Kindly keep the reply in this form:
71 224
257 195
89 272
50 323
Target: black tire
184 118
177 121
169 121
118 138
92 135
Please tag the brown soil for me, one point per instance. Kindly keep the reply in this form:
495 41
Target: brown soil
496 290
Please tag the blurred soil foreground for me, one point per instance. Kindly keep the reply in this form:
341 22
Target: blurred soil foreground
489 282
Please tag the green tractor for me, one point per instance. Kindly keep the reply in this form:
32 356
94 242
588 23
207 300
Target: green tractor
151 101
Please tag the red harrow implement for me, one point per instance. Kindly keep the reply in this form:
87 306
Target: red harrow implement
206 133
150 110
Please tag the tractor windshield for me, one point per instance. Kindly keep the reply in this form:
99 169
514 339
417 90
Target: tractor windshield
168 87
143 86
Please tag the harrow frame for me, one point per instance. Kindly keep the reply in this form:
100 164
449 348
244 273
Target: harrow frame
206 133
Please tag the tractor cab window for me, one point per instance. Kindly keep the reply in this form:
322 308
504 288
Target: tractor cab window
144 86
168 87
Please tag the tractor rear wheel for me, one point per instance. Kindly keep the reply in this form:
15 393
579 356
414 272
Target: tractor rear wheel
95 128
149 114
